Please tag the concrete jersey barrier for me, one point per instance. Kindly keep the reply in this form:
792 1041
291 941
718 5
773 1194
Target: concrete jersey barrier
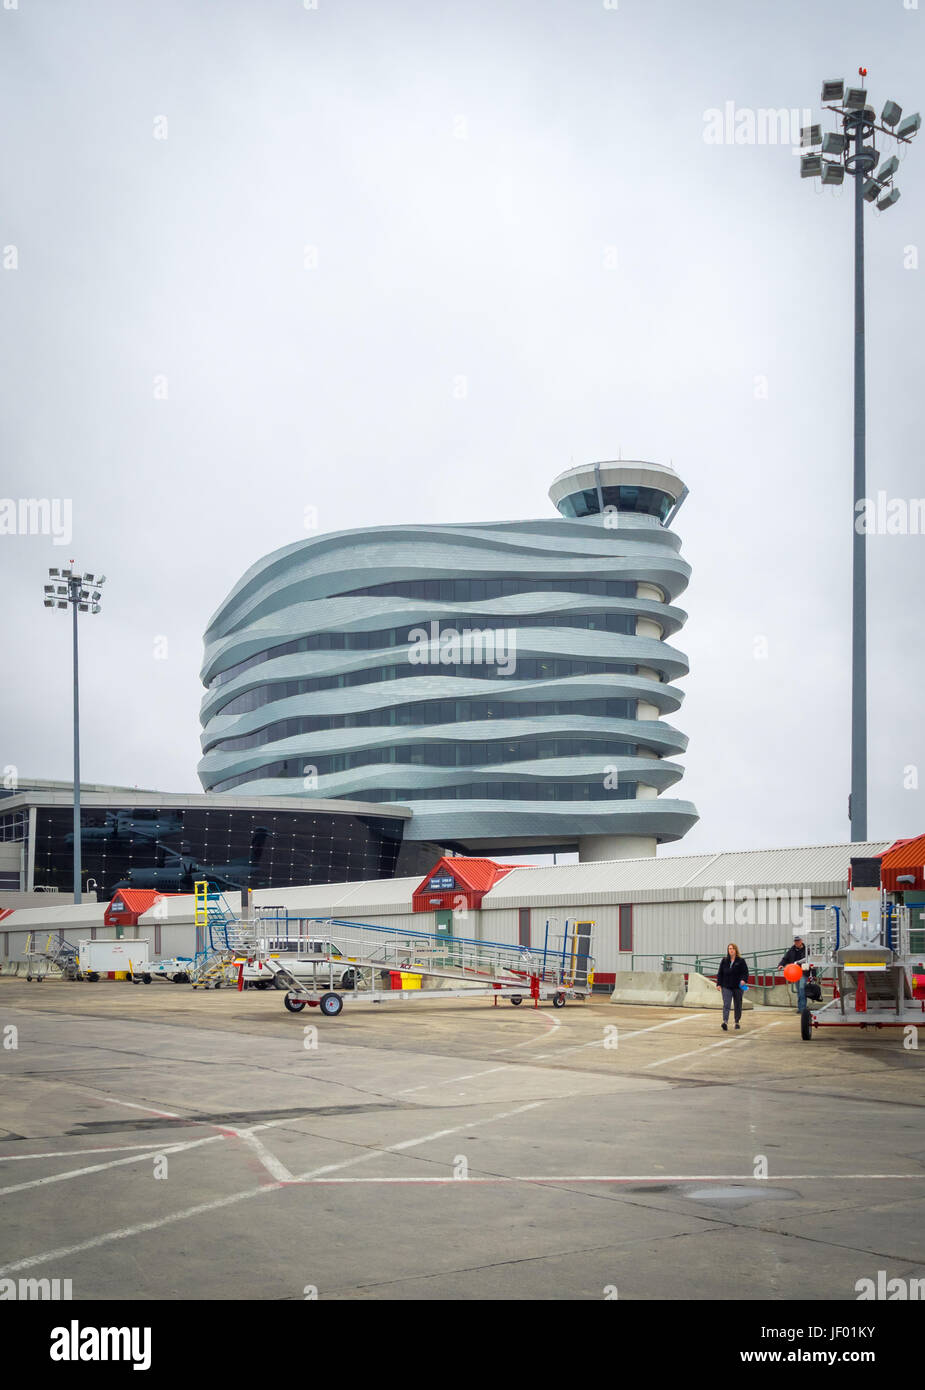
703 994
648 987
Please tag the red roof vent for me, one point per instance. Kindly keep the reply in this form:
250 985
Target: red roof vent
458 882
128 904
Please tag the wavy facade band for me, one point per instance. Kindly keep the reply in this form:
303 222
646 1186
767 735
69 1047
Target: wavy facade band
507 681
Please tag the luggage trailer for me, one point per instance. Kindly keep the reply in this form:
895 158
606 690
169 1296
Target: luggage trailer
870 950
357 958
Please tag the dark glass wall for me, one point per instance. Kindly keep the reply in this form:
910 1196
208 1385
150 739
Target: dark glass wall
234 848
526 669
424 712
624 498
380 638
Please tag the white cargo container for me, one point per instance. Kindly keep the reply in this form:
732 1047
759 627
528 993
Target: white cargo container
96 958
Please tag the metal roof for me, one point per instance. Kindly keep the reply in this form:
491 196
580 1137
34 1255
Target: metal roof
204 801
178 909
56 915
345 899
690 873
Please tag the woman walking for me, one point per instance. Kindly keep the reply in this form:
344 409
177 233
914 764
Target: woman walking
731 976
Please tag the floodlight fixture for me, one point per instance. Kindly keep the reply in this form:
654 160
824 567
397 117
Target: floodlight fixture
810 166
95 608
834 143
832 172
833 91
909 127
888 199
49 603
887 169
54 573
810 135
871 190
891 113
855 99
62 604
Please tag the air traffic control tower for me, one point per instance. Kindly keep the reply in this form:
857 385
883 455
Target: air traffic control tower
511 682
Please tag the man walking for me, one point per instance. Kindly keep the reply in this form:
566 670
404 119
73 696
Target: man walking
795 956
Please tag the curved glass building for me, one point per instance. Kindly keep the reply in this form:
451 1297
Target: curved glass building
510 682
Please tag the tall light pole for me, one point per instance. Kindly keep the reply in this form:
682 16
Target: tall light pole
82 593
855 155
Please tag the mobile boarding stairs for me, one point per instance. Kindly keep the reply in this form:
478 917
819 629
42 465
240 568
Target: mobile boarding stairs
341 961
56 955
870 952
222 940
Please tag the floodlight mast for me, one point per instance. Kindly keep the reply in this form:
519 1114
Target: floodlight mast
74 582
860 158
860 164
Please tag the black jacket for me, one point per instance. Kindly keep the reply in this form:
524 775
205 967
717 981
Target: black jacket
732 973
795 954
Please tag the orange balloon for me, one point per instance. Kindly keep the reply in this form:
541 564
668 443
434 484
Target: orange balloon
792 973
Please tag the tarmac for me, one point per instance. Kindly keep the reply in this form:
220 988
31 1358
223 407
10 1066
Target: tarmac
162 1143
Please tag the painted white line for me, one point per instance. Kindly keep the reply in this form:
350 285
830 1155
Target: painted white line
553 1024
130 1104
746 1037
115 1163
415 1143
125 1232
66 1250
73 1153
148 1109
274 1167
621 1037
429 1085
634 1178
266 1158
653 1028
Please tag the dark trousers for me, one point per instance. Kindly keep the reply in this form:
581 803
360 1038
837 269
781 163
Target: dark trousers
733 997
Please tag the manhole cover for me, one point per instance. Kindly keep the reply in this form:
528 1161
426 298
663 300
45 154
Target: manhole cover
738 1196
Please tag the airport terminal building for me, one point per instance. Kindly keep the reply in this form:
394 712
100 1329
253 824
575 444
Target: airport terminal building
511 683
167 841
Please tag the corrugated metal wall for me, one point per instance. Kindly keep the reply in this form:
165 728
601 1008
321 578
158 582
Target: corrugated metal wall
674 929
659 929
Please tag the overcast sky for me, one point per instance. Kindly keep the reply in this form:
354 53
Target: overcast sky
355 206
